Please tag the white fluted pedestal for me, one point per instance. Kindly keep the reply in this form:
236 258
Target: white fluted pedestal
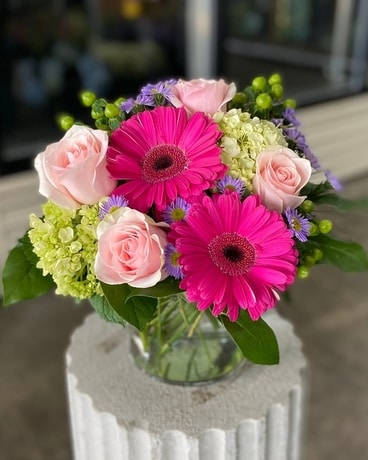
119 413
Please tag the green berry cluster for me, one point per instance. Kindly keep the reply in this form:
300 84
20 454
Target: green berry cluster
310 253
308 260
263 97
106 115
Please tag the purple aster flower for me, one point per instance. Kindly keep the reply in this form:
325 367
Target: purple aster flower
290 118
298 224
333 180
113 202
146 99
298 140
171 264
309 155
128 105
296 137
278 122
176 211
230 184
156 94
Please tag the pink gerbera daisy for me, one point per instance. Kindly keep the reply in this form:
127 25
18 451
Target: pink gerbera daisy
234 254
161 154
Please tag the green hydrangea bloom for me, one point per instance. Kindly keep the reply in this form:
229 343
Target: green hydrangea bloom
65 242
243 140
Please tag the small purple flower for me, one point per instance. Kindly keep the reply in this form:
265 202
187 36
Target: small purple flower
171 264
290 118
230 184
146 99
128 105
298 140
156 94
176 211
333 180
295 136
309 155
113 202
298 224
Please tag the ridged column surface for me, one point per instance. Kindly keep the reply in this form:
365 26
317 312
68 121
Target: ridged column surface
119 413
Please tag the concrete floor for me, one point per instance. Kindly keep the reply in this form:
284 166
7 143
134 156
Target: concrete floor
330 314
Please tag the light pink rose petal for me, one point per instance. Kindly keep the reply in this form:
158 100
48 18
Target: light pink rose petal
280 175
47 186
73 171
130 249
200 95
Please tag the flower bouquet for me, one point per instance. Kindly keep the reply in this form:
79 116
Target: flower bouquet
187 210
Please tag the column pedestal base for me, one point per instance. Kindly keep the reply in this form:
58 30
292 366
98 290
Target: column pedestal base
119 413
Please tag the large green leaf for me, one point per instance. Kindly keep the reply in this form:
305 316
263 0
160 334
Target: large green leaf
105 310
136 310
21 278
346 255
256 339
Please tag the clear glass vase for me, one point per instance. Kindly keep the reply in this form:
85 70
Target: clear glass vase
185 346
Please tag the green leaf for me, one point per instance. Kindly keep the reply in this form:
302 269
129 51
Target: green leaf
342 204
140 311
256 339
314 191
105 310
165 288
114 123
323 193
346 255
21 278
136 310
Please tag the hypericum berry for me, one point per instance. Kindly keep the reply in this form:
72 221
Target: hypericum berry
325 226
111 110
303 272
275 78
317 254
97 113
264 101
277 90
102 123
307 206
65 122
87 98
259 83
313 229
119 101
239 98
309 261
290 103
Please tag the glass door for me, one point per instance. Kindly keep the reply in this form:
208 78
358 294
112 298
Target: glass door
320 46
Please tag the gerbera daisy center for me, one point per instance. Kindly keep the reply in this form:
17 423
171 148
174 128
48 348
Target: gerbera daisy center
232 253
163 162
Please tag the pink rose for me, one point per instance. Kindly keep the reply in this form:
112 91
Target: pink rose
130 249
73 171
280 175
208 96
